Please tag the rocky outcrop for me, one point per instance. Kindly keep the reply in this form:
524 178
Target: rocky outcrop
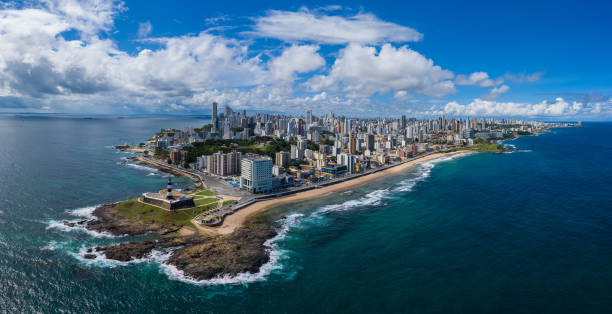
200 257
242 251
111 222
125 252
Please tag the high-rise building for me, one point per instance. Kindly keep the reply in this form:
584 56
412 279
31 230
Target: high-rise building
228 112
352 143
282 159
256 174
370 142
297 153
347 126
308 117
214 118
224 164
178 156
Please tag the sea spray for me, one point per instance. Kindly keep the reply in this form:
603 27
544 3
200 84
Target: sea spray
72 225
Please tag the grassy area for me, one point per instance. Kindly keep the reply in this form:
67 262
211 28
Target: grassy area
204 201
203 192
228 202
135 210
486 148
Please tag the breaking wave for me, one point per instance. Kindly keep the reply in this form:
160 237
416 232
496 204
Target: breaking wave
86 213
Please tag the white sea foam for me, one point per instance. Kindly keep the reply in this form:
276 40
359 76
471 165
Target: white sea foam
371 199
52 246
424 172
140 167
100 260
60 225
85 212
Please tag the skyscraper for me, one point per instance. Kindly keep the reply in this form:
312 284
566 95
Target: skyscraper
308 117
214 117
228 112
370 142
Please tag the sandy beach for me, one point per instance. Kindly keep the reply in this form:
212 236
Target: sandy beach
234 221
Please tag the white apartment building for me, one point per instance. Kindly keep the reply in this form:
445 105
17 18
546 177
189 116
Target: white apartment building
256 174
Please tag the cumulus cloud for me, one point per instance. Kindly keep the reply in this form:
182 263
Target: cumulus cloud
144 29
296 59
60 55
495 92
478 79
39 61
307 25
481 107
363 70
523 77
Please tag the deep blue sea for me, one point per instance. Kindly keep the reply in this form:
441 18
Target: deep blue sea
522 232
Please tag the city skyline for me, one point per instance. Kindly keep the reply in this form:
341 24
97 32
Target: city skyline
364 60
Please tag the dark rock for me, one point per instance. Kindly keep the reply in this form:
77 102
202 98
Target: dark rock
125 252
242 251
90 256
89 250
201 257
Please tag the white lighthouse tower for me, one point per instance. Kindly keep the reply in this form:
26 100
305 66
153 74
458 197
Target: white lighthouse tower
169 194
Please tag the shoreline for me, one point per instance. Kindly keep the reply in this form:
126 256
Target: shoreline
236 220
158 165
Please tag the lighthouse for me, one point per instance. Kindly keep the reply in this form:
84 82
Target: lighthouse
169 194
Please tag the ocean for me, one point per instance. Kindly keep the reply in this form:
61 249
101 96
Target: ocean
522 232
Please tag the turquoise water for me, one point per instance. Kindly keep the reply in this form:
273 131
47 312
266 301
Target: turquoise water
529 231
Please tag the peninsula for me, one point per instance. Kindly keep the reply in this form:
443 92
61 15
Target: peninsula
244 165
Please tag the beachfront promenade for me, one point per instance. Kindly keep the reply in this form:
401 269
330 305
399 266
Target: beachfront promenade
216 220
217 216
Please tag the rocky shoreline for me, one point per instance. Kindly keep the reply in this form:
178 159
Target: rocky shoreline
199 256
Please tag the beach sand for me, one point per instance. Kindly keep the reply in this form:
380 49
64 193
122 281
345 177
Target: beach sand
234 221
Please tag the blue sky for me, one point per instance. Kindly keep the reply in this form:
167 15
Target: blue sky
526 59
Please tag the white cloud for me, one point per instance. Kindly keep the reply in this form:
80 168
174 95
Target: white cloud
477 78
401 95
480 107
59 55
362 71
40 63
296 59
306 25
523 77
144 29
495 92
